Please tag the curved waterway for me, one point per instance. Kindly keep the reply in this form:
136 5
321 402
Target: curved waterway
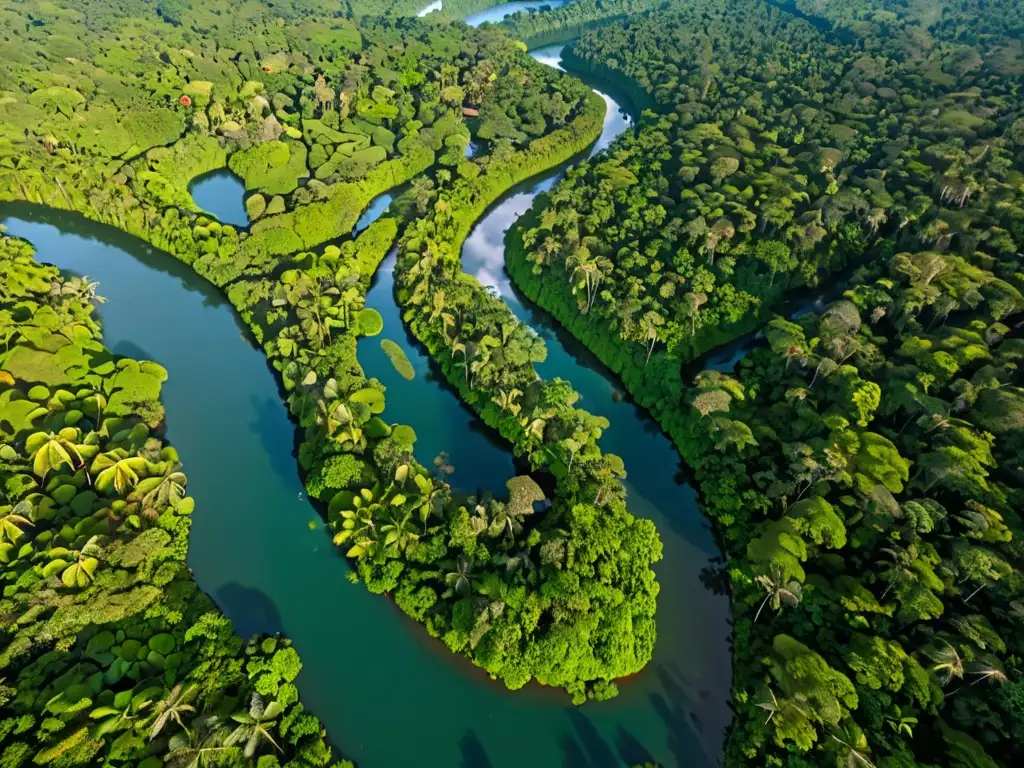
499 12
680 702
369 672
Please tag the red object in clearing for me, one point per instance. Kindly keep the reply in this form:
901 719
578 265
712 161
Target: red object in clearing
186 100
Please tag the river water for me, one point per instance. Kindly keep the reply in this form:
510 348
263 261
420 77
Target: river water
499 12
389 695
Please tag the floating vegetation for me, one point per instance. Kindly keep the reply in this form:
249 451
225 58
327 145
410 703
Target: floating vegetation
398 359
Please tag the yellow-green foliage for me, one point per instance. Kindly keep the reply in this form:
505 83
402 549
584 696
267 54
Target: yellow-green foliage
319 222
179 164
398 359
273 168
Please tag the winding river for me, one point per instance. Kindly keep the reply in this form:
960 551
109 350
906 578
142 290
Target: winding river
388 695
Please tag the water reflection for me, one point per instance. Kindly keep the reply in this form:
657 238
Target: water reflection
499 12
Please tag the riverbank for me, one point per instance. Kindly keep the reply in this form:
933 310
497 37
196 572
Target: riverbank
639 717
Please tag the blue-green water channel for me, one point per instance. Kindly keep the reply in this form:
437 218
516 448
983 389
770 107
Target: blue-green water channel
389 695
686 686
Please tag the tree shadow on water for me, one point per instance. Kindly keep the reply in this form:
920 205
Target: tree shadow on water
249 609
715 576
126 348
277 436
473 753
585 747
677 706
631 750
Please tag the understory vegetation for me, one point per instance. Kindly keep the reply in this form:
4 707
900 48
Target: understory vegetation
863 465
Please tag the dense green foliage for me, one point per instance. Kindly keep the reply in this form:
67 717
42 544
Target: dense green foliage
763 169
318 115
865 468
110 653
594 557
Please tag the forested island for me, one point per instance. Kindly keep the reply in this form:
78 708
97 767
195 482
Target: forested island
861 466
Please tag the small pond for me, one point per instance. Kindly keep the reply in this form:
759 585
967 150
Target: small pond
221 194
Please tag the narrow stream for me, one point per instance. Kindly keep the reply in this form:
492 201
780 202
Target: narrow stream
389 695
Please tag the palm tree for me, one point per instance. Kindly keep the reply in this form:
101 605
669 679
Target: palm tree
693 302
199 745
826 366
457 580
254 726
173 707
853 756
948 663
168 491
430 500
649 327
775 706
113 719
117 469
772 706
572 446
399 533
506 400
778 591
985 670
793 352
357 525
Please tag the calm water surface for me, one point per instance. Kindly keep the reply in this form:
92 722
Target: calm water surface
369 672
222 194
434 6
374 211
499 12
692 654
